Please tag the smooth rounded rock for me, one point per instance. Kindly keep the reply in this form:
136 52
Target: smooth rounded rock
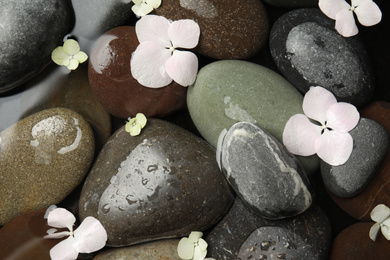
310 52
268 178
371 144
225 239
230 29
42 159
114 86
30 31
230 91
163 183
165 249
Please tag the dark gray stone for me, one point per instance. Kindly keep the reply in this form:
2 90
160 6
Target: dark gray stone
30 31
226 238
163 183
268 178
310 52
371 143
292 3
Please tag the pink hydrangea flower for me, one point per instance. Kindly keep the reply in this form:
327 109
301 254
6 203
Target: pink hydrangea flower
323 129
90 236
367 12
160 58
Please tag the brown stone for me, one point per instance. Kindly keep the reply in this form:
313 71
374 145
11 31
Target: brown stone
156 250
354 243
231 29
114 86
22 238
378 190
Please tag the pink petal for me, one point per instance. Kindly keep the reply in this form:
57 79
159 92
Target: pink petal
184 34
367 12
182 67
342 117
334 148
64 250
61 218
331 7
147 65
345 23
153 28
300 134
316 103
90 236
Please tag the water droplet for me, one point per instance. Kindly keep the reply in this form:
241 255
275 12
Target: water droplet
130 200
106 208
152 168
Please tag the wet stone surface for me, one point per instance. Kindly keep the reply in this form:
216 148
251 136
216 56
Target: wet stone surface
163 183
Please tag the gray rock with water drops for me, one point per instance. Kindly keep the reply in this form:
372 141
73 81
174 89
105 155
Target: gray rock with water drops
371 143
268 178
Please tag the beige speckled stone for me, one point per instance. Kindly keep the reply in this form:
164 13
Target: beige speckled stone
42 159
157 250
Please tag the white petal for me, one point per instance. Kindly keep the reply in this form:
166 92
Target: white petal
90 236
367 12
182 67
300 134
64 250
374 231
71 47
331 7
334 148
380 213
202 244
59 56
61 218
142 9
154 3
80 56
48 210
316 103
137 2
342 117
184 33
147 65
385 231
199 254
153 28
195 236
73 64
57 235
185 249
141 119
345 23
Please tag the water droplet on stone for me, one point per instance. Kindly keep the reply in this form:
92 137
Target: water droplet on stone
106 208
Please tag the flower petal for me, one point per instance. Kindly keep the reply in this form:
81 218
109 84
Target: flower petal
64 250
316 103
147 65
367 12
342 117
374 231
61 218
137 2
385 231
331 7
300 134
184 33
195 236
52 235
345 23
185 249
154 3
90 236
333 147
135 130
81 56
141 9
199 254
141 119
71 47
153 28
59 56
73 64
202 244
380 213
182 67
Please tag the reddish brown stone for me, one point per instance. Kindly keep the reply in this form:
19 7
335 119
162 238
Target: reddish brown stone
230 29
22 238
354 243
378 190
114 86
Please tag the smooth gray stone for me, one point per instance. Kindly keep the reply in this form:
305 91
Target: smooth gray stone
371 143
292 3
309 52
30 31
268 178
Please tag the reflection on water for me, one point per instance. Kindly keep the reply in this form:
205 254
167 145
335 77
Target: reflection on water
203 8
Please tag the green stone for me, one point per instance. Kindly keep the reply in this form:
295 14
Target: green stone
230 91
